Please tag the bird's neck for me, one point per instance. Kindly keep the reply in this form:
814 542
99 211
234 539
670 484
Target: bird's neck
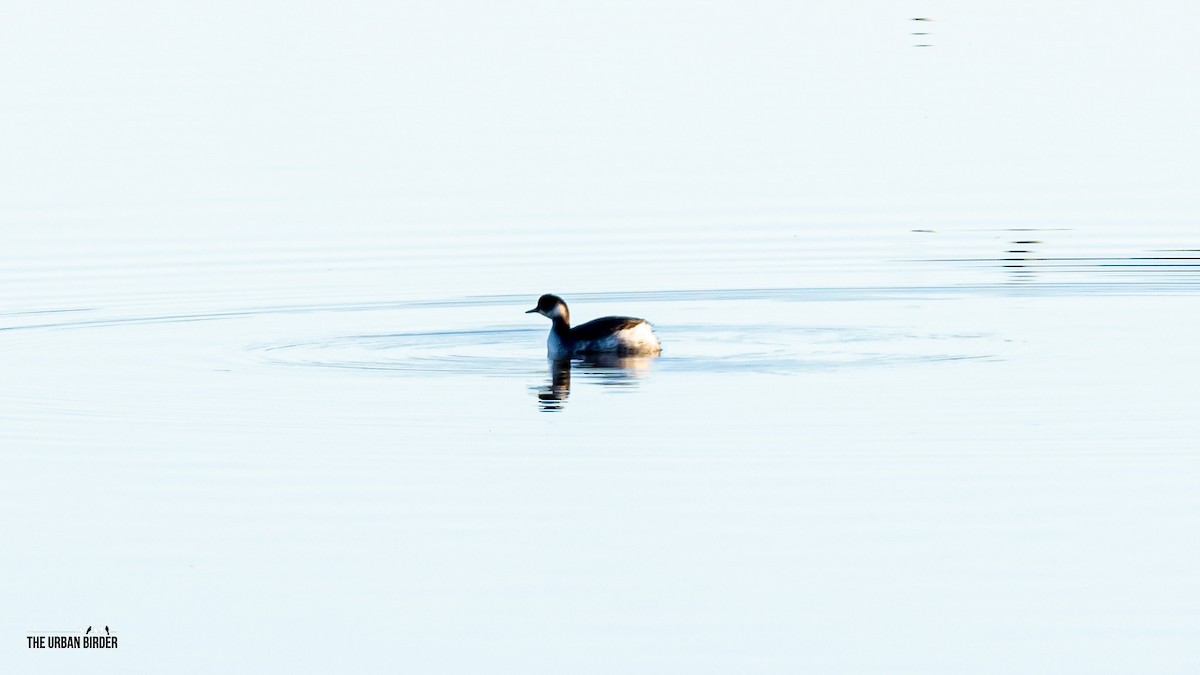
562 329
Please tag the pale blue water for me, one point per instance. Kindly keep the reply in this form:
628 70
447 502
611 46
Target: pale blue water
926 402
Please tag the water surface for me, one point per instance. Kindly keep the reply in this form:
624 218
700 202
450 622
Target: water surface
927 396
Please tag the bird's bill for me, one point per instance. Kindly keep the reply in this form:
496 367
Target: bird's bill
535 310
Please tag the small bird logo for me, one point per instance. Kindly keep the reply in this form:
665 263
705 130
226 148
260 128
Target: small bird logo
106 631
88 631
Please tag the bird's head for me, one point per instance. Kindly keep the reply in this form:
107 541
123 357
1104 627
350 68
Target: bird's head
551 307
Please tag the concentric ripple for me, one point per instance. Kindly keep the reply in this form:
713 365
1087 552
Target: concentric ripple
465 352
691 347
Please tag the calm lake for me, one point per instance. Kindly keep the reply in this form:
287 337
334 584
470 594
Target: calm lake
927 293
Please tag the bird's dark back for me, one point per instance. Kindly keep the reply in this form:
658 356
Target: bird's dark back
598 328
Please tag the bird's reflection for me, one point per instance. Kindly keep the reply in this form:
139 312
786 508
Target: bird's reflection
553 395
609 370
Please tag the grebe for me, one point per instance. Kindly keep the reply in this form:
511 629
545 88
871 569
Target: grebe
621 335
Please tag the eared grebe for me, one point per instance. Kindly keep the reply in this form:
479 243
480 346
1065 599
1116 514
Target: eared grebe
621 335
